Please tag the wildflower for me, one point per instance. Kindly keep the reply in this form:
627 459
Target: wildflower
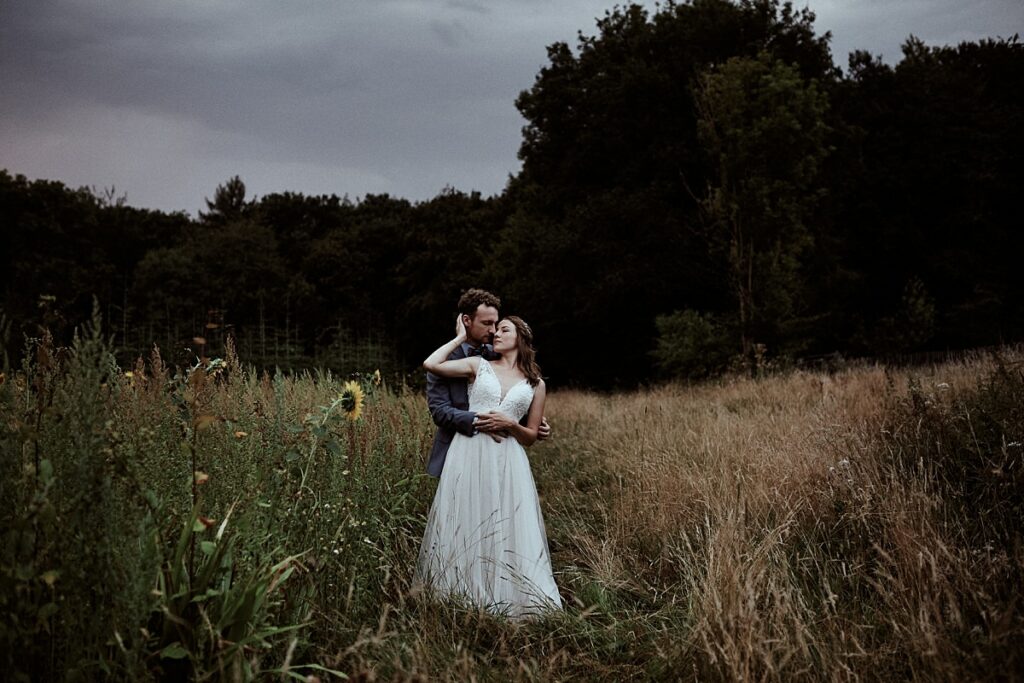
129 374
216 366
240 434
376 378
351 399
201 478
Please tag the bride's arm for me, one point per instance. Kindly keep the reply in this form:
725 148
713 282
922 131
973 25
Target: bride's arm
524 434
438 362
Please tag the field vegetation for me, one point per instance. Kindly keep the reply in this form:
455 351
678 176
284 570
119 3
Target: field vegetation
222 524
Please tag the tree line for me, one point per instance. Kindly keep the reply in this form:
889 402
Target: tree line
701 188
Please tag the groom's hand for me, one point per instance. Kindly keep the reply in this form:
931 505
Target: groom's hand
491 425
544 431
485 422
481 422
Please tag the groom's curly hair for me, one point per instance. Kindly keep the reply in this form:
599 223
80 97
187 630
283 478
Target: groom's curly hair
471 299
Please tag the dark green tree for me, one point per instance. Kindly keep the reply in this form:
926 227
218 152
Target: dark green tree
924 188
228 202
763 127
603 234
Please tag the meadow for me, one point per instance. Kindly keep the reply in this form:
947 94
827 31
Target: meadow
225 524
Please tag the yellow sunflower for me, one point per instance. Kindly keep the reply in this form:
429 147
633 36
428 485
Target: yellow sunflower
352 400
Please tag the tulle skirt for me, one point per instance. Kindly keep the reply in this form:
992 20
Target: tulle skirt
485 540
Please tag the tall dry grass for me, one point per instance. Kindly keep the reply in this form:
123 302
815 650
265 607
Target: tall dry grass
809 525
223 524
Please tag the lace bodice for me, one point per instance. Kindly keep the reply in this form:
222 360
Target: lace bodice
485 394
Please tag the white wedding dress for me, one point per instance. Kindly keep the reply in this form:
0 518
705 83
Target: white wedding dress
485 540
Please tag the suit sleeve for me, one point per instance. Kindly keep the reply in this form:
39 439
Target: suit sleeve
444 414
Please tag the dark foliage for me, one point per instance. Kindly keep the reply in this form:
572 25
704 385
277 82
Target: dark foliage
895 230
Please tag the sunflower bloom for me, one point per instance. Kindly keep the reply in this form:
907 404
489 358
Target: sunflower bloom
352 400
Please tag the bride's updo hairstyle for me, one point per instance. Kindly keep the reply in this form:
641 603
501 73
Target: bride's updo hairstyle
526 358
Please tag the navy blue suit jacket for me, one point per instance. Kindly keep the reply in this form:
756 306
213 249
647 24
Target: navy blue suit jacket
448 400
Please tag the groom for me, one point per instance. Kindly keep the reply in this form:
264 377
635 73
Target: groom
448 398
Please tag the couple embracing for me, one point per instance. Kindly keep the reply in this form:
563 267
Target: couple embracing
485 540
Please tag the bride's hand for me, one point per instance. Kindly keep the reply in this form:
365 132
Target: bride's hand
460 328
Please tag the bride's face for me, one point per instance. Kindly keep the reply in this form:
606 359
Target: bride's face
505 337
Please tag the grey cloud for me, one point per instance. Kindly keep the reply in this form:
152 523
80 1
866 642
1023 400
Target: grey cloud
882 26
468 6
403 96
452 33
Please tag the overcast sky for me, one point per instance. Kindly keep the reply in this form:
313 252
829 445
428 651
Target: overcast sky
166 99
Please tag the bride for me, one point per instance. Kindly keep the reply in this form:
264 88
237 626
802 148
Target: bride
485 539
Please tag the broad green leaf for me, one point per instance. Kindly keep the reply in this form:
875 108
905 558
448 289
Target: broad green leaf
47 611
174 651
46 471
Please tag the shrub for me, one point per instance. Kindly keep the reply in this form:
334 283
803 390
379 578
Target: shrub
691 345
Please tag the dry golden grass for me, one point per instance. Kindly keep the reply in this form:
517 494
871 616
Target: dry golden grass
777 514
861 525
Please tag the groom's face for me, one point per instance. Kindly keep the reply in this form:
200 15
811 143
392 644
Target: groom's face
480 326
